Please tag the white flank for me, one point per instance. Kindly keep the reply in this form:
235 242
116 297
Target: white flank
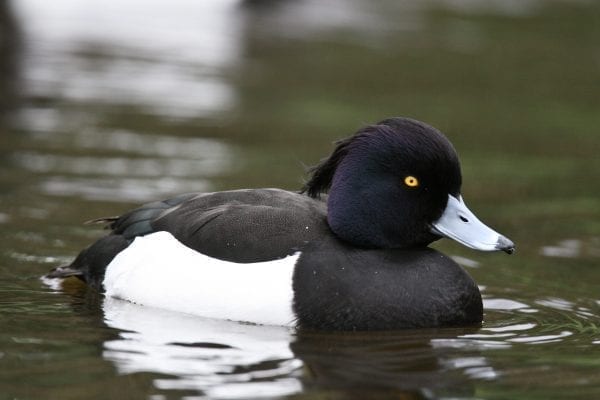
159 271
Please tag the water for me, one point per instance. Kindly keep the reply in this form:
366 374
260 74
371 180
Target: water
105 106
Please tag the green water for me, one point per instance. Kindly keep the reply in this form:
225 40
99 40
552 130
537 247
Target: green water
105 107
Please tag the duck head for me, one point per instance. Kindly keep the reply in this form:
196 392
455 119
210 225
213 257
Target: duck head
397 184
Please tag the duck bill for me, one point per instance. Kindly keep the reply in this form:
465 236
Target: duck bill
459 223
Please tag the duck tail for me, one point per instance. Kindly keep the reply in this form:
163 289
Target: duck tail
64 271
90 265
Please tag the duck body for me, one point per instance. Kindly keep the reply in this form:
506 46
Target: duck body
354 259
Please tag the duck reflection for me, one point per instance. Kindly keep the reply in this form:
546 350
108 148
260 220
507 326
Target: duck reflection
224 359
219 358
403 364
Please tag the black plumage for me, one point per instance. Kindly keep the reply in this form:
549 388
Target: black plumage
345 288
364 260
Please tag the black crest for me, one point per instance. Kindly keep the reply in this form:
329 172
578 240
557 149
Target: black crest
321 175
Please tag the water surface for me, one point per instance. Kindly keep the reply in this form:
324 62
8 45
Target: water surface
105 106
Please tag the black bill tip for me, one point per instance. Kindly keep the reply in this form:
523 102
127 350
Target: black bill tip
506 245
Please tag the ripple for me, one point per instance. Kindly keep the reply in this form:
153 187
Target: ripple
482 373
573 248
35 258
556 303
283 387
147 144
120 166
4 218
467 343
464 362
466 262
541 338
488 335
503 304
135 190
169 165
510 328
569 248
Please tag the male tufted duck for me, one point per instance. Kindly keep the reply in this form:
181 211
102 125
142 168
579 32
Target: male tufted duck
353 259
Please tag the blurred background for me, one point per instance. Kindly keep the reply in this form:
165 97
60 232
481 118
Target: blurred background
108 104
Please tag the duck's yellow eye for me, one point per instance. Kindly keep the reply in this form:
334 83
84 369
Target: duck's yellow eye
411 181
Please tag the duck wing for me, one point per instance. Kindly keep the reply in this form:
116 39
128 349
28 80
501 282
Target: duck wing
241 225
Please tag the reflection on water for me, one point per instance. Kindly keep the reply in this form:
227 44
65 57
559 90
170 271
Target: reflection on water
505 304
573 248
148 166
223 359
140 168
165 61
167 58
219 358
10 52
